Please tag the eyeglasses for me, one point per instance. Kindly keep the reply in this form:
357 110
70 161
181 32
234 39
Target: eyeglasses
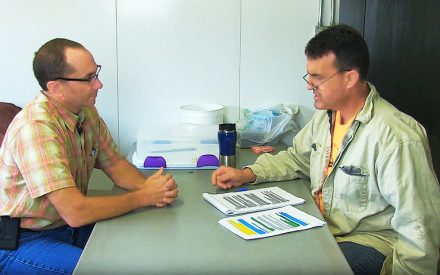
90 79
315 87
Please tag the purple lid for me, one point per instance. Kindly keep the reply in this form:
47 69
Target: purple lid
152 161
207 160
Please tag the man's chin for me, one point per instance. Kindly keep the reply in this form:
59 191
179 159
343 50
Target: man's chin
318 106
89 104
92 102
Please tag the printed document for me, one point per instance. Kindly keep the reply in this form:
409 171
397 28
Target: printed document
270 223
233 203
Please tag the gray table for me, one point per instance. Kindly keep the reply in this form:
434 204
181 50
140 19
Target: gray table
185 238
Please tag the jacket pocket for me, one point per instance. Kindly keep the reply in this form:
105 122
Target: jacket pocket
351 186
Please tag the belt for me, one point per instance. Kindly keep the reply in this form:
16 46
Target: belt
40 230
29 230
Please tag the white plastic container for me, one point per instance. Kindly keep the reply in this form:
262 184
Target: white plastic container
202 114
180 146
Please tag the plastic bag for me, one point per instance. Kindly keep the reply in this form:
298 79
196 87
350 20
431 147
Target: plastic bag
265 125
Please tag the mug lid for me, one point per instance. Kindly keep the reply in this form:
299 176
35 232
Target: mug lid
226 127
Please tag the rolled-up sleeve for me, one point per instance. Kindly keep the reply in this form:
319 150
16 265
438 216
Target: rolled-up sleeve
42 159
289 164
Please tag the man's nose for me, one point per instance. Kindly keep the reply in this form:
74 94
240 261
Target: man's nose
99 83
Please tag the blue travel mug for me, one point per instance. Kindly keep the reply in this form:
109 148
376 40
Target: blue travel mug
227 139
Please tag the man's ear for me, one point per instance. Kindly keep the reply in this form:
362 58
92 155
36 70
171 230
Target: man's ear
52 86
353 78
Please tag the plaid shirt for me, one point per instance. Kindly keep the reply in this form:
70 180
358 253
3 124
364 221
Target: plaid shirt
47 148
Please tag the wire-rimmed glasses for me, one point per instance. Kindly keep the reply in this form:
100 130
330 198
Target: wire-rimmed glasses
315 87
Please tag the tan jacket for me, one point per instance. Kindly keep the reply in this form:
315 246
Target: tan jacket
382 191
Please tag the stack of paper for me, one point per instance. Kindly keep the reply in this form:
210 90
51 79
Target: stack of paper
268 221
252 200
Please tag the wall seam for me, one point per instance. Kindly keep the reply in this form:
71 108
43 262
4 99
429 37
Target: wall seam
117 73
239 61
365 19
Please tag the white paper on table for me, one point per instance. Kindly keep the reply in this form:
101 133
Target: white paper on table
233 203
270 223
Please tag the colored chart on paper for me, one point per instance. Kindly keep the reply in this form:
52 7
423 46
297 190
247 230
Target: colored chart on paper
270 223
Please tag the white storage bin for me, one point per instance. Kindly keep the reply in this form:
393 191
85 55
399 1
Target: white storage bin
180 147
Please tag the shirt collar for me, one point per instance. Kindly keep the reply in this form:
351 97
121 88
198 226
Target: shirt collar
70 119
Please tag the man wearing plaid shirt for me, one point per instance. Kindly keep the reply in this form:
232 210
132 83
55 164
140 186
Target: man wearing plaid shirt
47 157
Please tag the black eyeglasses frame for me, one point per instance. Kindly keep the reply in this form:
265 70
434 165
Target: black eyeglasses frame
90 79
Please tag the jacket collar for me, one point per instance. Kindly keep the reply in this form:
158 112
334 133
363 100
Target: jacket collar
366 112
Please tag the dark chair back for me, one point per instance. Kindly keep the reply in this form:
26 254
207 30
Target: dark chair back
7 113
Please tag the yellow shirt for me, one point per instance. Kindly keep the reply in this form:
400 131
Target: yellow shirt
338 133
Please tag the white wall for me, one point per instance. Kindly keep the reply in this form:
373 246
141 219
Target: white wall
27 25
273 36
173 53
161 54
